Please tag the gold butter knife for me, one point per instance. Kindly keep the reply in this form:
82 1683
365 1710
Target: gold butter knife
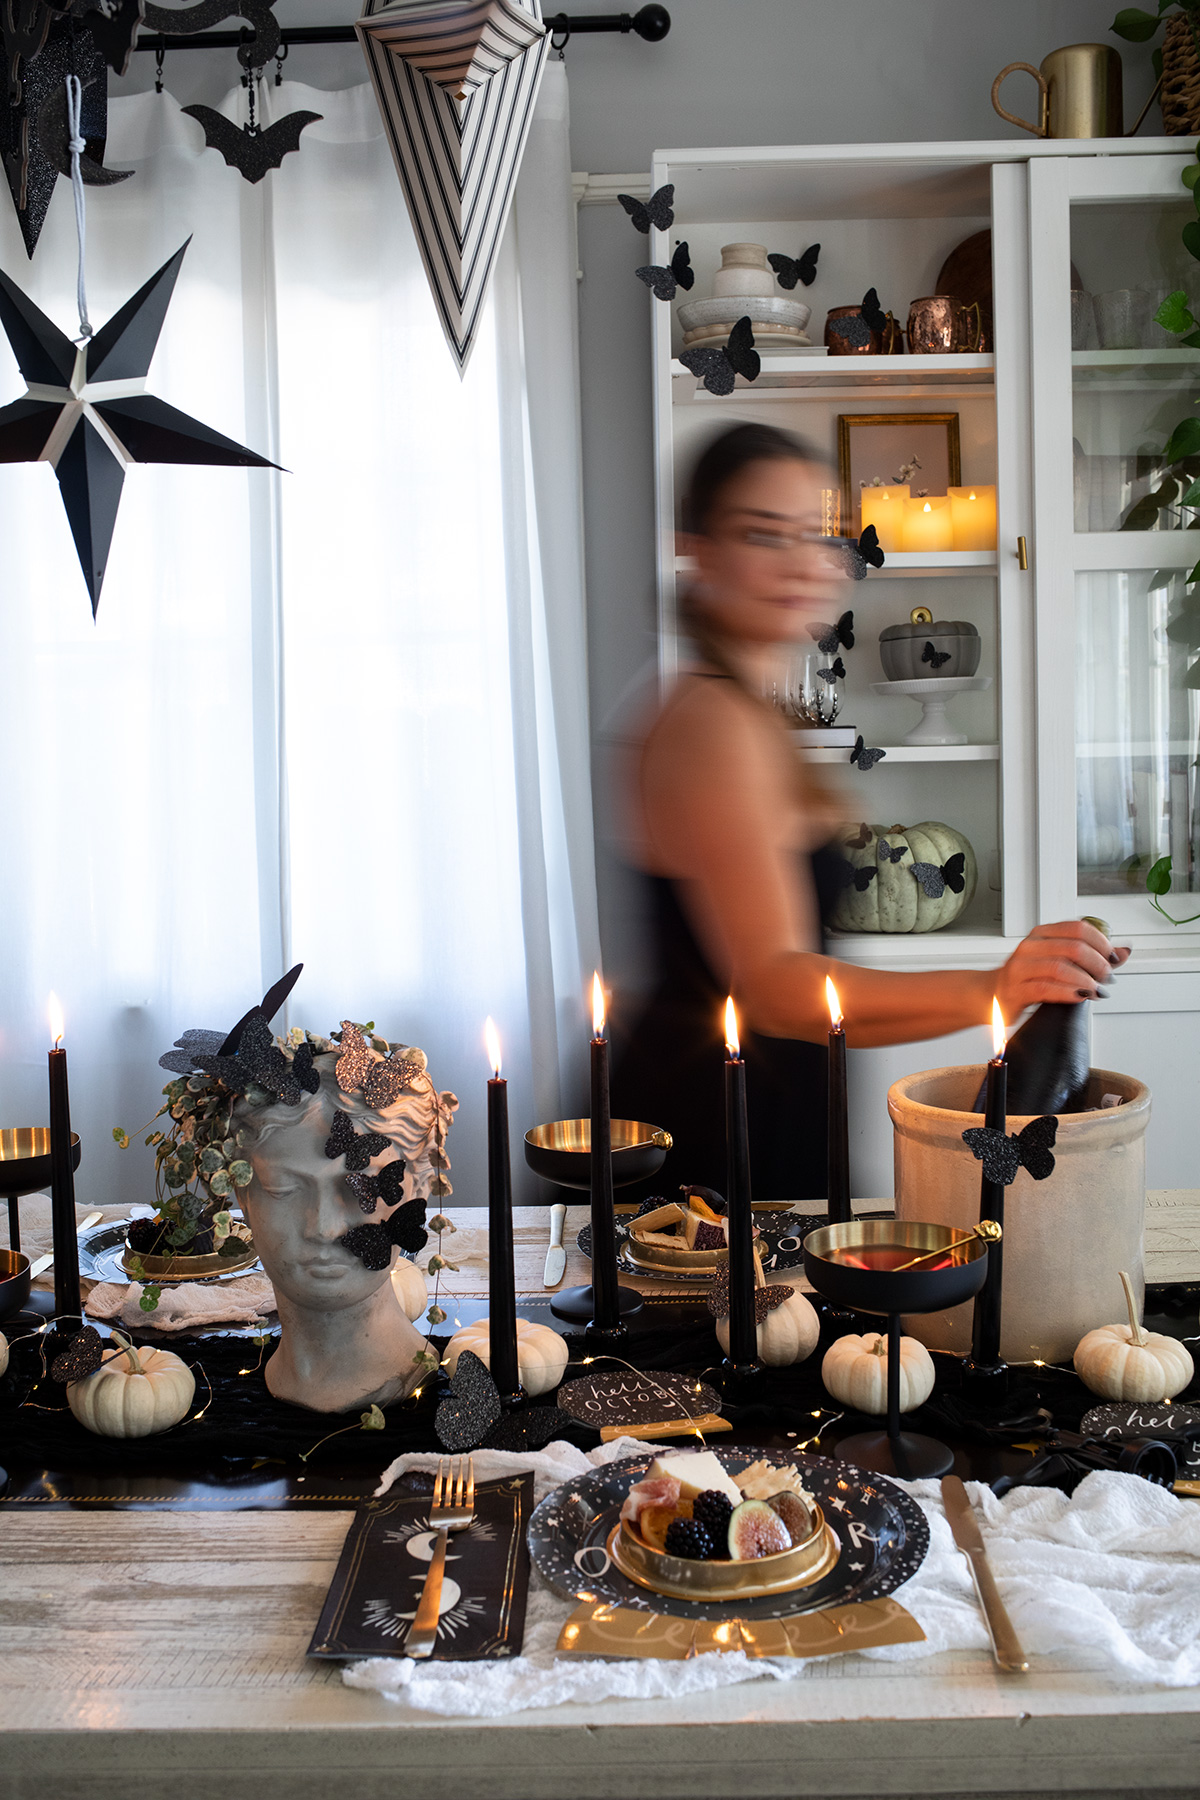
960 1514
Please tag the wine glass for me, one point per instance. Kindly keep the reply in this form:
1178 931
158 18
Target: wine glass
815 689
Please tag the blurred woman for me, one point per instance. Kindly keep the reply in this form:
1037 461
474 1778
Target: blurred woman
729 826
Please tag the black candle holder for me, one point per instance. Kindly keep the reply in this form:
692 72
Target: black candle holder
26 1168
893 1291
562 1153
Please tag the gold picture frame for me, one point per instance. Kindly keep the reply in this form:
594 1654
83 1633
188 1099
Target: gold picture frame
871 444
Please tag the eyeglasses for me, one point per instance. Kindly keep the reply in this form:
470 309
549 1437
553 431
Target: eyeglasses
779 543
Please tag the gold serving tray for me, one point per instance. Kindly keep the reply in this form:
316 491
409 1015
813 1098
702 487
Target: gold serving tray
683 1579
184 1268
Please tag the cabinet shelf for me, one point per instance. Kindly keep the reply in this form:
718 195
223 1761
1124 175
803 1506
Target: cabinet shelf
788 370
941 562
1133 369
904 753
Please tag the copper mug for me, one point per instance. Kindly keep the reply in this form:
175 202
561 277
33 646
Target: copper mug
862 342
1079 93
940 325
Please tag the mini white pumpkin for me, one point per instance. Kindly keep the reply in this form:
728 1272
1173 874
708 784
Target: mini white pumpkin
408 1284
133 1393
855 1371
3 1353
787 1335
541 1353
1127 1362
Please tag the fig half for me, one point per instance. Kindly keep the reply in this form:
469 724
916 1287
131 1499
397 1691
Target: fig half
755 1530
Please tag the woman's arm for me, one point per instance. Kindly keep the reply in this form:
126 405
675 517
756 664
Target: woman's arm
721 817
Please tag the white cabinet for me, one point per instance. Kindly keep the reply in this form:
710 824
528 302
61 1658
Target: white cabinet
1080 768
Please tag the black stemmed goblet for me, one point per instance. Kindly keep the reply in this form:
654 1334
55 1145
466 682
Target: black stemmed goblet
856 1265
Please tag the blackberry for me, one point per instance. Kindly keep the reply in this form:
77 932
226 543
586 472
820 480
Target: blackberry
712 1509
686 1537
143 1237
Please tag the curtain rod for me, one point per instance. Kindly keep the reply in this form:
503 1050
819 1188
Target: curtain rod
651 23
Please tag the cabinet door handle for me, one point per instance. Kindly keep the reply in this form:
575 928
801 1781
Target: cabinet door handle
1022 554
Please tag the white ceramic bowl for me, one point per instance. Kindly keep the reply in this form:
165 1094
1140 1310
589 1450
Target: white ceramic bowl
772 311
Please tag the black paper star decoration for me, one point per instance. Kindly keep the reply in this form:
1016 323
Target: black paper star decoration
85 411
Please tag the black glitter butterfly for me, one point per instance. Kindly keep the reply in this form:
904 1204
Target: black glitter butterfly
935 657
657 210
472 1406
358 1147
892 853
718 368
861 839
372 1244
835 672
872 312
387 1186
855 557
853 329
859 878
866 759
830 637
766 1299
789 270
935 880
1003 1156
248 1053
664 282
83 1355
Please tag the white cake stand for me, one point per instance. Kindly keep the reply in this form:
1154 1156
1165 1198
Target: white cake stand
934 691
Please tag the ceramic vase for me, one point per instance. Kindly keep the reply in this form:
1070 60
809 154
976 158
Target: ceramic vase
1065 1238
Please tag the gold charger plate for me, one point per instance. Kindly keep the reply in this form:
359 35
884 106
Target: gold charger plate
684 1579
184 1268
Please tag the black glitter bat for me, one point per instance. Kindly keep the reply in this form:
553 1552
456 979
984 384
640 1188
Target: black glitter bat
935 880
663 282
789 270
657 210
872 312
935 657
835 672
372 1244
718 368
253 152
890 854
866 759
766 1299
83 1356
860 879
387 1186
830 637
358 1147
1003 1156
855 557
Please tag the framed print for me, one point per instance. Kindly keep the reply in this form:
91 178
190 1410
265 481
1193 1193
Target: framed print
891 449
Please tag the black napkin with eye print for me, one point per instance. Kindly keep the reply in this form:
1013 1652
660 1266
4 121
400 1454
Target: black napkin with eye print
374 1593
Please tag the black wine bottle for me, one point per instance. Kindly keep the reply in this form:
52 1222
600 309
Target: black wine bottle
1049 1059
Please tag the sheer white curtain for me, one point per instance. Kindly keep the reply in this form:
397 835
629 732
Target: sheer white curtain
338 714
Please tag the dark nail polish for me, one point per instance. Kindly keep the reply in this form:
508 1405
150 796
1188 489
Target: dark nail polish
1084 994
1115 960
1100 994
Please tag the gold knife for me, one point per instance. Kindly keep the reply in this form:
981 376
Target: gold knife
556 1256
1006 1646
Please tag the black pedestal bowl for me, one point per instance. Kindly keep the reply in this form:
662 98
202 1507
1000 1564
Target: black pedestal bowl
856 1265
25 1168
562 1152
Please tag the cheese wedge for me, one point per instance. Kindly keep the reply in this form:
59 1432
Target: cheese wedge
670 1214
696 1472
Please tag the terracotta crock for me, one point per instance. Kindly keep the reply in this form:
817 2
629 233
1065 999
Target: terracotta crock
1065 1238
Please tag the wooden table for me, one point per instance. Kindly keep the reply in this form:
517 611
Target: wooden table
152 1654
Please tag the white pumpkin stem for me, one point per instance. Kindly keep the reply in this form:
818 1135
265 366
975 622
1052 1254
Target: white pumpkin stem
126 1345
760 1279
1136 1333
879 1347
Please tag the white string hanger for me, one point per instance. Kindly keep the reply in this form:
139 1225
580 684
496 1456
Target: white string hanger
77 144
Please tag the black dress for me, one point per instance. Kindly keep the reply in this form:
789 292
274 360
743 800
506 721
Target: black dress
669 1071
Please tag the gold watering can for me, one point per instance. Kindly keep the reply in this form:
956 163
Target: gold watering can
1079 91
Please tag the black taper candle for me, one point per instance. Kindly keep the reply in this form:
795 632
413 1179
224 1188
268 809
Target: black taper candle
985 1332
837 1184
606 1303
502 1285
739 1223
67 1302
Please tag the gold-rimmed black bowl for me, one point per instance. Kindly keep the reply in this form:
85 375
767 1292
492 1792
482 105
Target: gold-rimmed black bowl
14 1282
855 1265
25 1158
561 1152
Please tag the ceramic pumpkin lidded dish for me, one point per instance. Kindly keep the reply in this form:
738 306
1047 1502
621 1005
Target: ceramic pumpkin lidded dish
926 648
903 877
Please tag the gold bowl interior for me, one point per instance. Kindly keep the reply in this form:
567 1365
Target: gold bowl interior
575 1136
14 1281
684 1579
917 1235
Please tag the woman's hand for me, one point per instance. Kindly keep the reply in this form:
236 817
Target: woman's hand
1066 962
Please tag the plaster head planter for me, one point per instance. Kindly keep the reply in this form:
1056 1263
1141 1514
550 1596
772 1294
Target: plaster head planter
346 1339
1063 1237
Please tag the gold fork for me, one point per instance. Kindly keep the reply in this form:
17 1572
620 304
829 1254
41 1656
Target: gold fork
453 1509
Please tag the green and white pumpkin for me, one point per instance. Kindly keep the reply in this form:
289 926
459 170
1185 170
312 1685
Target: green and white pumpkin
902 646
894 899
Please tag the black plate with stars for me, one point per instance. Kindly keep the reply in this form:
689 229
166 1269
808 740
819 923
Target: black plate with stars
781 1235
882 1534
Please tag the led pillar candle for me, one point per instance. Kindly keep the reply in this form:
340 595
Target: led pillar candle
973 517
927 525
883 507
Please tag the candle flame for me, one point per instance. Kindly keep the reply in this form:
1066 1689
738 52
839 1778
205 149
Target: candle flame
971 495
999 1029
597 1007
927 507
732 1041
491 1038
56 1020
834 1004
